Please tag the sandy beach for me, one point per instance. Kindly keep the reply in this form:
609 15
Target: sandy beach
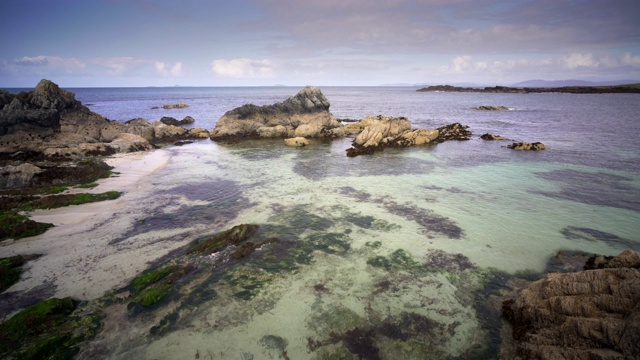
77 259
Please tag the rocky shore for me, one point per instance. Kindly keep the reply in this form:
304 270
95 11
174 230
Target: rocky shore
512 90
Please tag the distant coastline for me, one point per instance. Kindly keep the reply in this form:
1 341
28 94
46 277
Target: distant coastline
632 88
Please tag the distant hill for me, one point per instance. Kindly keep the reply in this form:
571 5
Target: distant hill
571 82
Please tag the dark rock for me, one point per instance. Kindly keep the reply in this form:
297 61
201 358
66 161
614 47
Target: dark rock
491 108
564 89
167 120
488 136
455 131
527 146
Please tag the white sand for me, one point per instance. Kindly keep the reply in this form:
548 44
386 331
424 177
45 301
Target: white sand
77 257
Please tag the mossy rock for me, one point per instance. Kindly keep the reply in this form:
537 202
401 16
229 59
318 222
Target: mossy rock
219 241
35 332
153 286
57 201
16 226
151 277
331 243
10 270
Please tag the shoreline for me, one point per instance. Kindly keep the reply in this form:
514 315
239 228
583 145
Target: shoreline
77 259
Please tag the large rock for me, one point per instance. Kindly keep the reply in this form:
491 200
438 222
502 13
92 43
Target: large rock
304 115
49 122
525 146
591 314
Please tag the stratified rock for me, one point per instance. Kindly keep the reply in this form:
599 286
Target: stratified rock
304 115
296 142
591 314
491 108
381 129
488 136
527 146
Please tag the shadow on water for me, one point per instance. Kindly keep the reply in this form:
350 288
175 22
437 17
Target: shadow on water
224 201
593 235
600 188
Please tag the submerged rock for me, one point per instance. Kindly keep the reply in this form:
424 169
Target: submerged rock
179 105
491 108
304 115
527 146
591 314
488 136
296 142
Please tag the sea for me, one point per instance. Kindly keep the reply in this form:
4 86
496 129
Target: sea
403 246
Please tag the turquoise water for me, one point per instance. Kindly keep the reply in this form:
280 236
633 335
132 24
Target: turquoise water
373 287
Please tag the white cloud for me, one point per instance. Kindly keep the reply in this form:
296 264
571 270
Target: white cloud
164 70
243 68
573 61
630 60
460 64
120 65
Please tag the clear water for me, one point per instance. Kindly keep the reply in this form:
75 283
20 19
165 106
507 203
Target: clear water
502 209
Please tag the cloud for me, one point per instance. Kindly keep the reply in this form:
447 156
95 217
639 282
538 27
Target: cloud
51 63
243 68
164 70
120 65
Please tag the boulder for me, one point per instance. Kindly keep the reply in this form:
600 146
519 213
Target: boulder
590 314
187 120
455 131
168 120
304 114
381 128
488 136
19 176
296 142
527 146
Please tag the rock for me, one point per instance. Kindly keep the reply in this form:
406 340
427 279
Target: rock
19 176
296 142
591 314
527 146
304 115
491 108
187 120
416 137
488 136
165 132
175 106
126 142
455 131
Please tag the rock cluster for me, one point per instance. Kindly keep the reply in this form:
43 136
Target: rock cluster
492 108
305 114
488 136
49 122
527 146
590 314
383 131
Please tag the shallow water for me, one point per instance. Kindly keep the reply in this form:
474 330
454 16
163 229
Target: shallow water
368 227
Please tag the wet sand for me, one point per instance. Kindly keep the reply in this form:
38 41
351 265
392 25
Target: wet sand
77 259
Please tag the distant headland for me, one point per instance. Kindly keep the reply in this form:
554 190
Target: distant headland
631 88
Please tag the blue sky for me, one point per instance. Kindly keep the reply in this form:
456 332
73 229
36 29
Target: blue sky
79 43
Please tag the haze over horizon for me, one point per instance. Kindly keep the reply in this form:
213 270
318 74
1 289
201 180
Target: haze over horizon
331 42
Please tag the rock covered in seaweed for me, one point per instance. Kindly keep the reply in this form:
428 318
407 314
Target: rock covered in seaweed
305 114
527 146
590 314
488 136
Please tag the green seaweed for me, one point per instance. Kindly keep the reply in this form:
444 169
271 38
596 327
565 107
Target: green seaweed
153 286
331 243
10 270
217 242
16 226
151 277
57 201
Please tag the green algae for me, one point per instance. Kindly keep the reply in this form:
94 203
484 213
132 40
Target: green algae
51 329
153 286
16 226
217 242
151 277
10 270
57 201
399 259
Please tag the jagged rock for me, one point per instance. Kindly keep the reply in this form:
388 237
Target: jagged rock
296 142
491 108
488 136
416 137
527 146
455 131
381 128
591 314
168 120
304 115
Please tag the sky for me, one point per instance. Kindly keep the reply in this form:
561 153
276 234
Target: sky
121 43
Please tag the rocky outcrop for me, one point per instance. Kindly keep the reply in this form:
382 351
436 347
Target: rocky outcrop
488 136
304 115
591 314
49 122
168 120
524 90
296 142
527 146
385 131
180 105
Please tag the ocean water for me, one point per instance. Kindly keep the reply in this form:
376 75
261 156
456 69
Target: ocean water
372 286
